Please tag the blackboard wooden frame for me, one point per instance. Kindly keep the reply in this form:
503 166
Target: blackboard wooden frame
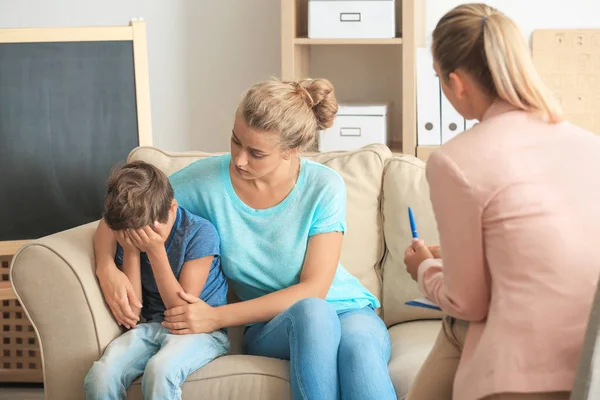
135 32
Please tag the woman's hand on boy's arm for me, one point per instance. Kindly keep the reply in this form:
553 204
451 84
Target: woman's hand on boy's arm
192 278
320 265
194 317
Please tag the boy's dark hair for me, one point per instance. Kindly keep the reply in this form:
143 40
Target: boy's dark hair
137 194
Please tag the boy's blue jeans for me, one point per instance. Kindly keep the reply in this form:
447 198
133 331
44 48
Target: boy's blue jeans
165 360
332 355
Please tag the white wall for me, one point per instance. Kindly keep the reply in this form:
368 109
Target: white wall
202 55
528 14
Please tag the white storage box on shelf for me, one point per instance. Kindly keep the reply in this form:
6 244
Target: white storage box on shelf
351 19
355 126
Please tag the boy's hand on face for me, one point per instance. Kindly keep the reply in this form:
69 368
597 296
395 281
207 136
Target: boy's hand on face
147 240
125 241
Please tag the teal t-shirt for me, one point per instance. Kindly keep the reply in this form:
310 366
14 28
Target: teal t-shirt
262 251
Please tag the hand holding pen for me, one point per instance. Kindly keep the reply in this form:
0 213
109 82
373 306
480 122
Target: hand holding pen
417 252
435 250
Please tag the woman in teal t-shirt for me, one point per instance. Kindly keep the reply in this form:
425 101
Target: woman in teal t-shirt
281 221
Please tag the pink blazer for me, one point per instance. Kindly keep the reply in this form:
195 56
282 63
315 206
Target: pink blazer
517 203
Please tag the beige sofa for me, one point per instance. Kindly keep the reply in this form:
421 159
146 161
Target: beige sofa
55 282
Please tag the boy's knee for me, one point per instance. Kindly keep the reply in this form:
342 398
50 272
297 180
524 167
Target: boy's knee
99 380
158 370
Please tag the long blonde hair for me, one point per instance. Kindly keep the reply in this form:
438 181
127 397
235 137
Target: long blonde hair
490 46
296 110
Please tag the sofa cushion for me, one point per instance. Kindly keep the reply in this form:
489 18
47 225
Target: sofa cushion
411 344
362 171
261 378
404 185
234 377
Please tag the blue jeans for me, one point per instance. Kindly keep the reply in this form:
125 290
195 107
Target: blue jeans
332 355
165 360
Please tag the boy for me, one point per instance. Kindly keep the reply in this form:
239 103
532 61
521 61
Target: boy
163 250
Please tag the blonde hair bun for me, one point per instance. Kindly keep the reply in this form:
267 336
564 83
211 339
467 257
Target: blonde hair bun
322 100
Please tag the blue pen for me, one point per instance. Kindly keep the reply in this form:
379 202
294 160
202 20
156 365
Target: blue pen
413 225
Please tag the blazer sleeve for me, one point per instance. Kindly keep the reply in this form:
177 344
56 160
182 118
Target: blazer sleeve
461 286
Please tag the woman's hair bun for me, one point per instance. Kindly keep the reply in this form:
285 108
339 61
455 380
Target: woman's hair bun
321 98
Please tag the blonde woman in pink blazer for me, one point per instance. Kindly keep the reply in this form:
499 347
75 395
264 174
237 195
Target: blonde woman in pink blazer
517 203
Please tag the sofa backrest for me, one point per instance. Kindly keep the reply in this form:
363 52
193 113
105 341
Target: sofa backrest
379 188
404 185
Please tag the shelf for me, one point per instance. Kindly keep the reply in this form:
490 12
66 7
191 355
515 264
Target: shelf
316 42
303 57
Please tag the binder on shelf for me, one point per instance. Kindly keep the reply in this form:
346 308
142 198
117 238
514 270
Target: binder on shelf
452 122
470 123
428 101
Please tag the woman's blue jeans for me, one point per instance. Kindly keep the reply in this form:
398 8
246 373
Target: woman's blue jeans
332 355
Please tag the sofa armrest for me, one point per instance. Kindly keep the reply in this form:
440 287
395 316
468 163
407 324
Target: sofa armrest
54 281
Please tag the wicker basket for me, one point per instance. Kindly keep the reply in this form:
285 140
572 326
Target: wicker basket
20 359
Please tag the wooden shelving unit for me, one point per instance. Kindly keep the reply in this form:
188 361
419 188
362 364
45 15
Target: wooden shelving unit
10 247
7 250
423 152
316 42
6 292
394 58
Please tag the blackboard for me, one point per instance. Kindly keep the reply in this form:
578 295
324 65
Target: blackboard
67 115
